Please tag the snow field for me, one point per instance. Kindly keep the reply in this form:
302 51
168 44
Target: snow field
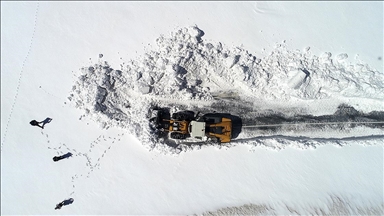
114 172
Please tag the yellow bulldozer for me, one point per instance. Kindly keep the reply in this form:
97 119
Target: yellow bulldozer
185 124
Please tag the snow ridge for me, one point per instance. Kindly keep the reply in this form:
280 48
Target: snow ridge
184 71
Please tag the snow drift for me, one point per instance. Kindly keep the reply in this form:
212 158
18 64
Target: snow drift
185 72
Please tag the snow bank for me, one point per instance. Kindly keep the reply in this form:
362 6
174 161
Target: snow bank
186 72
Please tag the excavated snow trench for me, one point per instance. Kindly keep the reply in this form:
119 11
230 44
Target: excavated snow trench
250 126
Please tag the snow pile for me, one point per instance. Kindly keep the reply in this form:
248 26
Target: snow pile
184 71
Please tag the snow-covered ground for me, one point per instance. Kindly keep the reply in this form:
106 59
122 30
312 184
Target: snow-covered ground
96 67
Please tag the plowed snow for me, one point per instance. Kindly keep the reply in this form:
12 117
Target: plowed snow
184 72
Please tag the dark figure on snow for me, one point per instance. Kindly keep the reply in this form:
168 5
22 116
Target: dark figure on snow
58 206
57 158
36 123
63 203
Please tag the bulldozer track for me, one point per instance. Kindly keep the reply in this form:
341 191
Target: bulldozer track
310 123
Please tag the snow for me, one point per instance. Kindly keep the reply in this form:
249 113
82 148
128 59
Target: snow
95 69
184 70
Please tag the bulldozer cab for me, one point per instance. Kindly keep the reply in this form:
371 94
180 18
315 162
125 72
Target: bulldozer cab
212 127
197 129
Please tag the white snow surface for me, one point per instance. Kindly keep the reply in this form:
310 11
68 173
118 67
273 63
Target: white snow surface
85 65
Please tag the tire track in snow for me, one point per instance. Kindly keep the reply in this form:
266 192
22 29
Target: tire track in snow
20 77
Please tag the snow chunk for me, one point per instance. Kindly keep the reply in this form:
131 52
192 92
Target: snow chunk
145 89
341 57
